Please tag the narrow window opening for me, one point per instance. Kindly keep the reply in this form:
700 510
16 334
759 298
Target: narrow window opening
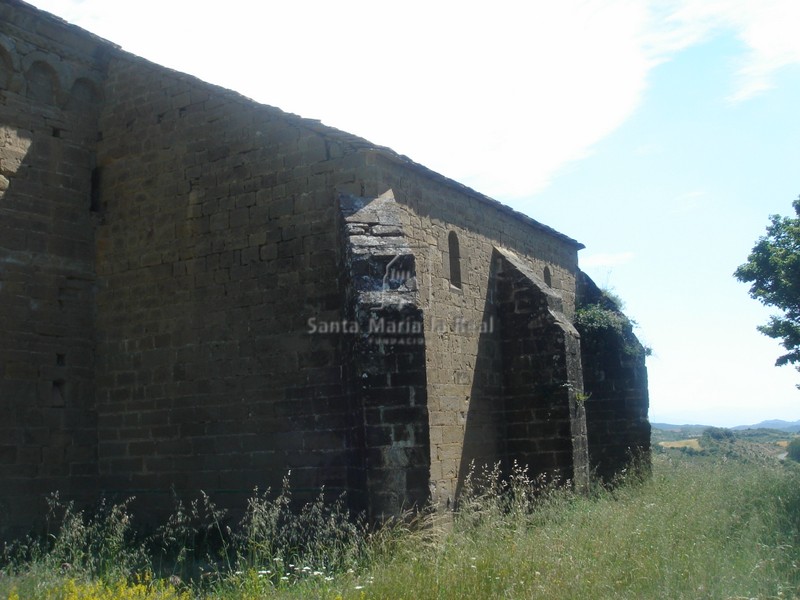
455 260
548 278
58 393
94 199
56 132
61 360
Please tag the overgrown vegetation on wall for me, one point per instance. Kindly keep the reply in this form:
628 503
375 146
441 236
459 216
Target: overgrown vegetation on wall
602 322
701 526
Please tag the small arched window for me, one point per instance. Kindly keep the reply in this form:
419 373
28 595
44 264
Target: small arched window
455 259
548 278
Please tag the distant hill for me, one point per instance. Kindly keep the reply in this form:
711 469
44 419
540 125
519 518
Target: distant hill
673 427
780 425
788 426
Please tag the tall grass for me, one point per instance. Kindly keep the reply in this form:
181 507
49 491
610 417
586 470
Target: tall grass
695 529
699 527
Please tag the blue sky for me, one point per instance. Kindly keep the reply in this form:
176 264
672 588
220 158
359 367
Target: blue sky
660 133
670 204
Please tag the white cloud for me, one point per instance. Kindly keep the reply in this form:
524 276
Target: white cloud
767 28
500 97
688 202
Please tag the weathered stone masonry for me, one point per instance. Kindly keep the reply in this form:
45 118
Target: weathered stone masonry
198 292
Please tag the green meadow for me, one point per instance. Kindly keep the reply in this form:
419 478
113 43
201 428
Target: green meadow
721 521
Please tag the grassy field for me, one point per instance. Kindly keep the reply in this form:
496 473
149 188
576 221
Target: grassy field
693 443
722 525
758 436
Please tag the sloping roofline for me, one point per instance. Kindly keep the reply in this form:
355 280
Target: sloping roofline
496 204
355 142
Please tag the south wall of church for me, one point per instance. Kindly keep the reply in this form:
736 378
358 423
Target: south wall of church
469 423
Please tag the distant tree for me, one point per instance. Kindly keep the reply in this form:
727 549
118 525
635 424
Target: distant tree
718 434
793 449
773 270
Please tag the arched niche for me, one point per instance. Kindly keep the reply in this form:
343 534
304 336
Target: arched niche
10 78
41 83
6 69
84 95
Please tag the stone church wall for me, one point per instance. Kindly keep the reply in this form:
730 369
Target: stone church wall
178 268
49 95
217 244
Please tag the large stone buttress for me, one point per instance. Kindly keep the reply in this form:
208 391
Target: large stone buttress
545 418
385 356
